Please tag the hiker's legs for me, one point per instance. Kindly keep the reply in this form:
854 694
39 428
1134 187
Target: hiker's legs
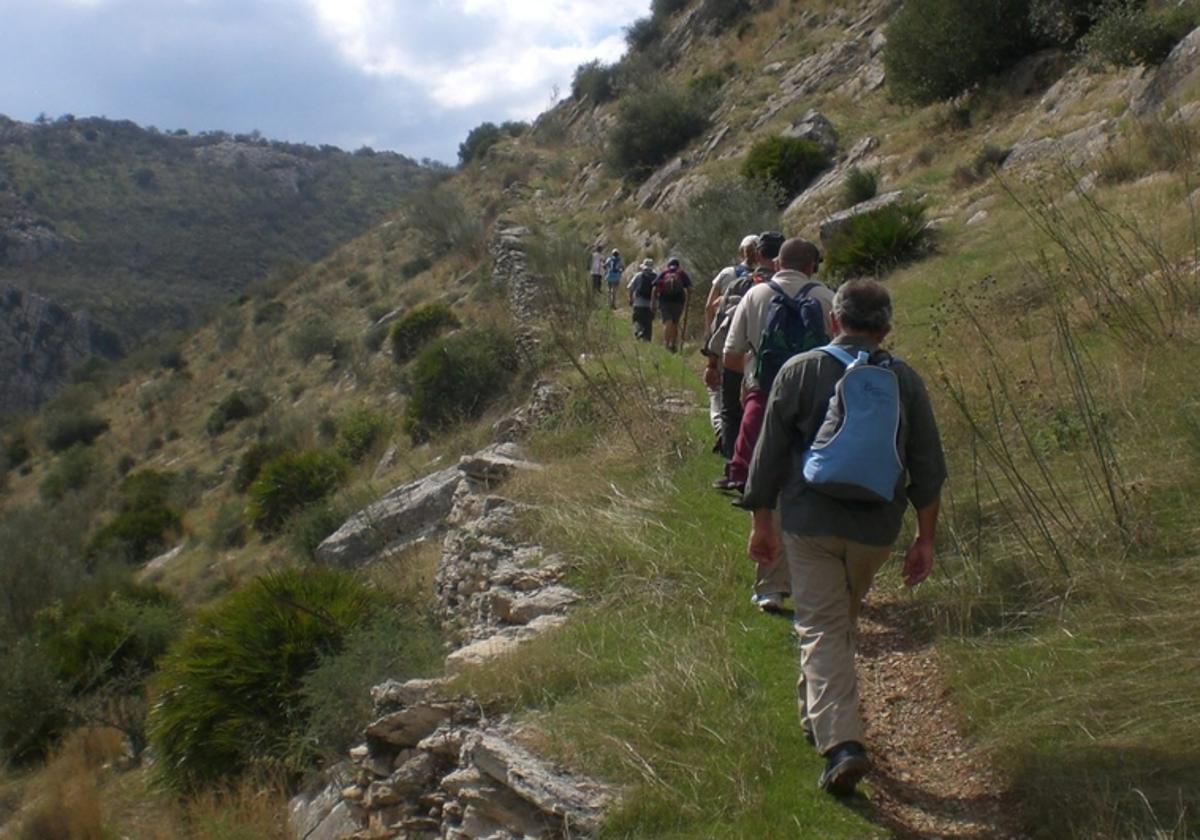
773 578
596 283
830 577
612 295
643 323
670 332
754 405
731 411
714 411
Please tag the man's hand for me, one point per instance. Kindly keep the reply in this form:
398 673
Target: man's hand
712 377
918 561
764 539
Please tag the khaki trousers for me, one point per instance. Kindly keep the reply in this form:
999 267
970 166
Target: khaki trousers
830 577
773 578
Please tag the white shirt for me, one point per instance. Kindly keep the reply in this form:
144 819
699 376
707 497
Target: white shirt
597 263
750 317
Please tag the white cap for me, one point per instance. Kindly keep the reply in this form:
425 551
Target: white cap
750 241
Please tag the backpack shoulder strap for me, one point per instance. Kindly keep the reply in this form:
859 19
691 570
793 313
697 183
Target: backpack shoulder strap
776 288
837 353
808 287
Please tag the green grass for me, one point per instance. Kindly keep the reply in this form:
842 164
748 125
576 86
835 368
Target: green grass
669 684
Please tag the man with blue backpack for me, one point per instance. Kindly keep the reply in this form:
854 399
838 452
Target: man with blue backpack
849 441
775 320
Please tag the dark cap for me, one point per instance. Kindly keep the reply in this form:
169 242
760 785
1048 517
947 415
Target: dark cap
769 243
673 262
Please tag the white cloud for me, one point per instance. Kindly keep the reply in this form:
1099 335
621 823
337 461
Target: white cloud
469 52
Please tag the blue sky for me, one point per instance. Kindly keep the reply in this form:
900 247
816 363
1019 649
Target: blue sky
408 76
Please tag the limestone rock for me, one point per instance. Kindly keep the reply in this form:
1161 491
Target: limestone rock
816 127
496 463
517 608
339 824
501 644
408 726
1072 149
1173 76
407 514
391 695
829 183
546 401
820 71
653 186
836 223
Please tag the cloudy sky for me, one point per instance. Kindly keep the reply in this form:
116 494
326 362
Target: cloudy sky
404 75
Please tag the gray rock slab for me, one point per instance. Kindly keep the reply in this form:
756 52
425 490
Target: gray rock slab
407 727
836 223
407 514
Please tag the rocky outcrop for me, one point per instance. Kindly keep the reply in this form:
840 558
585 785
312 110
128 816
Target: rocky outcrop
285 171
816 128
828 185
40 343
1176 74
835 224
25 240
1073 149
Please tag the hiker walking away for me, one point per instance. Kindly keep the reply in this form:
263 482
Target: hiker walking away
725 387
641 300
671 291
596 269
775 320
613 267
849 441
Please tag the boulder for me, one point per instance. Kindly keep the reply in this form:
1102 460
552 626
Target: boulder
495 464
516 608
406 727
391 695
815 127
1172 77
410 513
836 223
1072 149
501 644
653 186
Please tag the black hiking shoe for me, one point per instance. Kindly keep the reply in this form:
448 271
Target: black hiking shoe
845 765
725 485
810 737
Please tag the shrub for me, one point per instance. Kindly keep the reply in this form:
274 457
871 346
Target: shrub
1061 21
643 33
374 337
1126 33
719 15
358 432
252 461
32 708
708 230
417 265
937 49
70 473
144 524
652 125
230 689
418 328
860 185
271 312
16 451
445 222
457 377
397 644
987 161
237 406
875 242
289 483
785 164
593 81
479 139
313 337
708 85
40 560
228 527
308 528
666 8
65 427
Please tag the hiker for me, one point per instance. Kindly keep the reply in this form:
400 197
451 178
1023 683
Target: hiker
775 320
613 268
849 441
597 268
725 387
671 291
641 300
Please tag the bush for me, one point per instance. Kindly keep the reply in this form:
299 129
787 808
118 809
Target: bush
66 427
230 690
70 473
652 125
1061 22
308 528
444 221
374 337
719 15
359 431
708 230
417 265
937 49
145 522
16 451
986 162
291 482
479 139
860 185
873 243
271 312
228 528
337 693
40 561
643 33
418 328
785 164
666 8
251 463
32 702
593 81
457 377
313 337
237 406
1126 34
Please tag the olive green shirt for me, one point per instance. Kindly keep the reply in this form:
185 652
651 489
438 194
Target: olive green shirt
795 411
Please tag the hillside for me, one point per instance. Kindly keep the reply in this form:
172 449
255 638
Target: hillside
531 485
148 231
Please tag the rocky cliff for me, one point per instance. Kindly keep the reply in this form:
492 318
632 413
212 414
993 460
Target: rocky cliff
40 343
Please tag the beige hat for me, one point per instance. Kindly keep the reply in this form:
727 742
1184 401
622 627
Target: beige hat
647 263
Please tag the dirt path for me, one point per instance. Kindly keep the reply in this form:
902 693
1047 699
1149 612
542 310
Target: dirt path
928 781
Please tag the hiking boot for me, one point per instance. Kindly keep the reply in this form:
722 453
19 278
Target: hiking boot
769 603
725 485
810 737
845 765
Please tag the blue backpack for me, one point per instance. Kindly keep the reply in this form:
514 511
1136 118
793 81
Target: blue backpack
794 325
854 455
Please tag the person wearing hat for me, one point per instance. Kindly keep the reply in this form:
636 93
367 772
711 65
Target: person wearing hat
596 268
641 300
613 267
671 291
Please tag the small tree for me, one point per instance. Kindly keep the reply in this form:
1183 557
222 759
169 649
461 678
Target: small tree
652 125
786 165
481 138
593 81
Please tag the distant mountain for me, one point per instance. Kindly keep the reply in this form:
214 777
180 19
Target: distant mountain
145 230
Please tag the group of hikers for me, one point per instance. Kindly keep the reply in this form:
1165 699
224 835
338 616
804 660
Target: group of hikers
651 292
827 439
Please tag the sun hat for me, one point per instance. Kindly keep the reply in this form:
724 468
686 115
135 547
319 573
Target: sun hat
749 241
647 263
